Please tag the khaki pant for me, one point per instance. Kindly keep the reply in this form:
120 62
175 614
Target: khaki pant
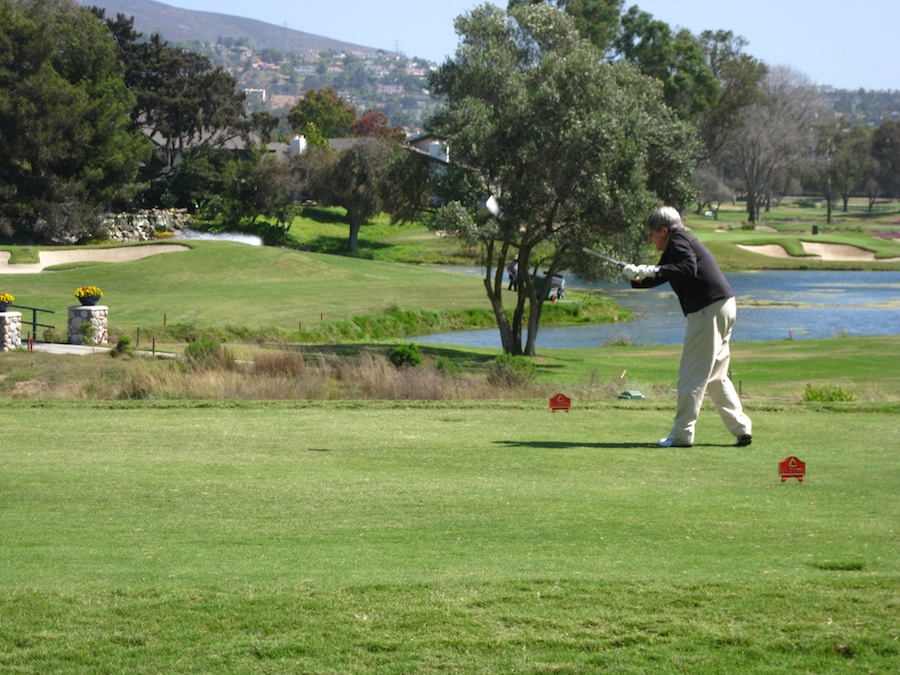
704 368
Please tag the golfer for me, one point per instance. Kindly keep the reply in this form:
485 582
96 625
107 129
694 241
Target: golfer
708 303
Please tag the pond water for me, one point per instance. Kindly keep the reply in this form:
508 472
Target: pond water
772 305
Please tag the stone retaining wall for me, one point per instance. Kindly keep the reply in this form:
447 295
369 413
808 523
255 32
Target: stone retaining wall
145 225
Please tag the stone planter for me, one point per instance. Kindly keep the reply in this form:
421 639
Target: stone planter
95 316
10 331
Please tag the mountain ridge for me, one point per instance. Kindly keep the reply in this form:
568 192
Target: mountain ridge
176 25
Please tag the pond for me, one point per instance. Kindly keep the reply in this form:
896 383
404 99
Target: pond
772 305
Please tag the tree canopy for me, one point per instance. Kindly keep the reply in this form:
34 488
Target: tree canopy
326 111
351 178
571 146
675 59
182 100
67 146
596 20
886 152
774 136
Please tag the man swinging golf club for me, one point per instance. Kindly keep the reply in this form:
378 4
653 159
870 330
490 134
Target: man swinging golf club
708 303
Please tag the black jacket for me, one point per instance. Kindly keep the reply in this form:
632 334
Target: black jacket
693 272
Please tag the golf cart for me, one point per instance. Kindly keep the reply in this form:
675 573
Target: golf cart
557 287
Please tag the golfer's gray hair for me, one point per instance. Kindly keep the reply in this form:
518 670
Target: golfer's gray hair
665 216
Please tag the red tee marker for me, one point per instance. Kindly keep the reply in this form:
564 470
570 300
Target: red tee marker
560 402
792 468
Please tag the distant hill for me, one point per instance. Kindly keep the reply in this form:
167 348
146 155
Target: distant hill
184 25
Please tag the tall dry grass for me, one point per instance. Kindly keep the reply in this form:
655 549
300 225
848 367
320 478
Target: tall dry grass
270 375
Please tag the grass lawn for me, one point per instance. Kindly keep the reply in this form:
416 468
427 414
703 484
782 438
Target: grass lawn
787 224
768 371
490 537
221 284
430 537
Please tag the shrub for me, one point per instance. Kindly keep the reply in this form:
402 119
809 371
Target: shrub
123 347
446 365
512 371
808 203
206 352
405 355
88 332
826 394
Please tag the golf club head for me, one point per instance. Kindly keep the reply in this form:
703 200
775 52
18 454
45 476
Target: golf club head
488 208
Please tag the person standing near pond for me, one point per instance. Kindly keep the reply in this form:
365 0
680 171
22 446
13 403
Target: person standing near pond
708 303
513 271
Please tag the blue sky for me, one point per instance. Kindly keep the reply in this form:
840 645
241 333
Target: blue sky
844 44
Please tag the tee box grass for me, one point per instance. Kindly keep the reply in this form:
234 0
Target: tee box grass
488 537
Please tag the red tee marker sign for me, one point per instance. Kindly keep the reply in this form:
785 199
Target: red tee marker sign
792 468
560 402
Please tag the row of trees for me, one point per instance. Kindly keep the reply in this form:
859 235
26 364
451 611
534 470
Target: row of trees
577 117
856 161
93 117
96 117
762 129
67 144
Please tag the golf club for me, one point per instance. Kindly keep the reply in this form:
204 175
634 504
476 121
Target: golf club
585 249
490 207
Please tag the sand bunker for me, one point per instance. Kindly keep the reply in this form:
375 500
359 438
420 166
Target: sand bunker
770 250
830 252
75 255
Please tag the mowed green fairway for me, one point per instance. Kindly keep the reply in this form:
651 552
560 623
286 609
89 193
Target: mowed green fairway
222 284
442 537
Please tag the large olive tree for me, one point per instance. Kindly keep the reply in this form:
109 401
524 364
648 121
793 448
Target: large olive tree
573 147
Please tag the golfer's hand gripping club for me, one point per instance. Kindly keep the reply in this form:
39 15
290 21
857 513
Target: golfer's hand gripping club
632 272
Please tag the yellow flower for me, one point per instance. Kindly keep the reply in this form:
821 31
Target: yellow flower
7 297
88 291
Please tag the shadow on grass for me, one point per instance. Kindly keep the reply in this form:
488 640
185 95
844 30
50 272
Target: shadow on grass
328 216
334 245
563 445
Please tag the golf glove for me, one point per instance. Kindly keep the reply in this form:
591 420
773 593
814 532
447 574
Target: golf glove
630 272
644 271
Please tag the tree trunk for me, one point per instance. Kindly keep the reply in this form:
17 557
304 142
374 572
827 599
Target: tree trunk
510 346
493 284
751 206
534 323
353 243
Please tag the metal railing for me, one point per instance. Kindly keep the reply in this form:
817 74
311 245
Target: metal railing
34 321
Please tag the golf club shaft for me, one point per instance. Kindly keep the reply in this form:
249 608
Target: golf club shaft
489 205
585 249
